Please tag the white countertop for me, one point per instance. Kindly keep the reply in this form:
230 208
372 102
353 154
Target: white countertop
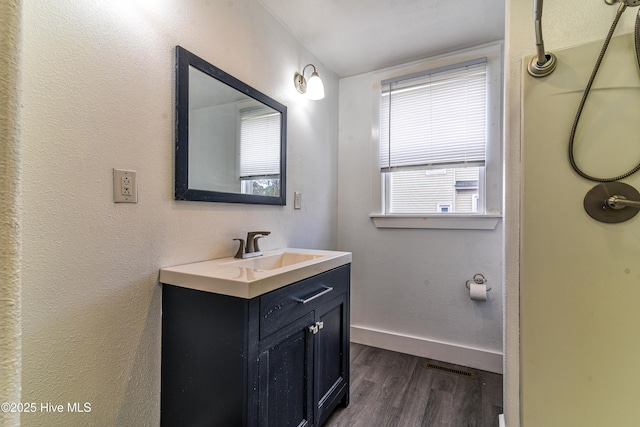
249 278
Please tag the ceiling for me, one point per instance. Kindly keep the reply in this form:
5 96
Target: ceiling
355 36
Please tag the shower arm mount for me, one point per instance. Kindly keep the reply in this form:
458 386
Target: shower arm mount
621 202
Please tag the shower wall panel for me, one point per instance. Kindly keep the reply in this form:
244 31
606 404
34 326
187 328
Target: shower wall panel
580 279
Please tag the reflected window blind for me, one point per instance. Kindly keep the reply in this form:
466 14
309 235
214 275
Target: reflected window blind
259 143
435 119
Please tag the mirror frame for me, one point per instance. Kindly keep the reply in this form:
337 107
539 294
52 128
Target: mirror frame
184 59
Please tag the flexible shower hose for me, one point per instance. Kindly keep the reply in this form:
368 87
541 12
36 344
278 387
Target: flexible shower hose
621 9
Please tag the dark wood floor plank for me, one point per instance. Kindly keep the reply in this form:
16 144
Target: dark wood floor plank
390 389
355 351
385 372
467 409
397 380
396 388
438 409
416 397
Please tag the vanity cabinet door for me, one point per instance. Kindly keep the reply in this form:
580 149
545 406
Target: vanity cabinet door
286 375
332 357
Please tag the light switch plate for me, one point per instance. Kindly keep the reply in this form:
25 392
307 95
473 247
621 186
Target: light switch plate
297 200
125 186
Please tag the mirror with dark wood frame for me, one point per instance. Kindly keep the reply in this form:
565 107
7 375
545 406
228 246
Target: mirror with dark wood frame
230 137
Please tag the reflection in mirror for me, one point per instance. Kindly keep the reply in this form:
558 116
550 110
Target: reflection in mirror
230 138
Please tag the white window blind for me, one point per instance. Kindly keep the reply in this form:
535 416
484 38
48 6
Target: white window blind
259 143
435 119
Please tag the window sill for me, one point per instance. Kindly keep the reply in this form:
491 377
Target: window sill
447 221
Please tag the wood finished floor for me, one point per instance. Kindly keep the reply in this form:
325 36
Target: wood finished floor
390 389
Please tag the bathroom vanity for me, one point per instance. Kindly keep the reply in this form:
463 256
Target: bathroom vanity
271 351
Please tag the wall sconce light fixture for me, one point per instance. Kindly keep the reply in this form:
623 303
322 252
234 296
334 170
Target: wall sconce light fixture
314 89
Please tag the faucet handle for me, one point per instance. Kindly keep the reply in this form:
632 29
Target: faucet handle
240 249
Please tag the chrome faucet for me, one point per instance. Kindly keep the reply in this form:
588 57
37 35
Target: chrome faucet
252 249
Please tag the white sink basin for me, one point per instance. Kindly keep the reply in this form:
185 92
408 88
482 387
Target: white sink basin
273 261
248 278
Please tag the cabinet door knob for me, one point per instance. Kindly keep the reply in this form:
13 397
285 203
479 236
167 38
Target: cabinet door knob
315 328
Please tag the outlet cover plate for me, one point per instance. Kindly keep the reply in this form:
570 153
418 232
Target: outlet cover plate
125 186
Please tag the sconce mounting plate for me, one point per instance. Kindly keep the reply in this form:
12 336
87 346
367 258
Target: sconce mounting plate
300 82
595 202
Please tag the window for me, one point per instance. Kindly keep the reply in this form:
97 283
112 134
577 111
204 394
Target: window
438 139
260 166
444 207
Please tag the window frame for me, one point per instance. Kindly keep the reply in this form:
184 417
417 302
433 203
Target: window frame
491 185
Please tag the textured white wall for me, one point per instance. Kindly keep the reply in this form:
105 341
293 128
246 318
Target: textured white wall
98 82
409 284
565 24
10 214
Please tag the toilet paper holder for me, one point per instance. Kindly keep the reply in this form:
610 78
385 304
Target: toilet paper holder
478 279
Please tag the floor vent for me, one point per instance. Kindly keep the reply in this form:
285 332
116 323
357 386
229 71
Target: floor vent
431 365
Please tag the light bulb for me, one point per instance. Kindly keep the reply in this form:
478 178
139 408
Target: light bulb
315 87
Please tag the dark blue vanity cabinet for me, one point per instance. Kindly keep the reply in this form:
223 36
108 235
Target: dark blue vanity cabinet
280 359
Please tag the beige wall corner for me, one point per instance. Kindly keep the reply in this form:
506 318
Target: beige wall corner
10 359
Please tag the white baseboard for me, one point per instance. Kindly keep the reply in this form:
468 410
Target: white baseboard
458 355
501 420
